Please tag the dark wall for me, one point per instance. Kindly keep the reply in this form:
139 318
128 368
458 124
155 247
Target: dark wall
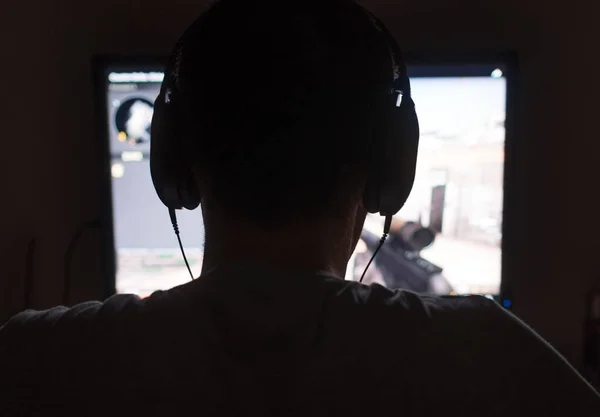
51 170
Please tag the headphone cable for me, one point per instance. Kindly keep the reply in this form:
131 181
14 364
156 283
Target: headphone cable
173 217
386 230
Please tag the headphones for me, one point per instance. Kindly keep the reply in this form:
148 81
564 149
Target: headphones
395 136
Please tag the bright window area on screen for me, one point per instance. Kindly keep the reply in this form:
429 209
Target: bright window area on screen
446 239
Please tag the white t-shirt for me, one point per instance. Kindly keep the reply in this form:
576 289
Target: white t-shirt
249 342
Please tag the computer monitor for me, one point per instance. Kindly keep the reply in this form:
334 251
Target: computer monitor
446 240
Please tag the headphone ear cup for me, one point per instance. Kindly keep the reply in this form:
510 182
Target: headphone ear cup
395 159
400 157
171 175
372 191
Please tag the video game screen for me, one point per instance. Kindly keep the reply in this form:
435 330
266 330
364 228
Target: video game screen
446 240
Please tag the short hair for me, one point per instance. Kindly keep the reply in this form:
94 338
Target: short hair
280 95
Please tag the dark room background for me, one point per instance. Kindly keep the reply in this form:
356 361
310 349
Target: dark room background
51 170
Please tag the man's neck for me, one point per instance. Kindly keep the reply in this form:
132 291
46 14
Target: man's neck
316 247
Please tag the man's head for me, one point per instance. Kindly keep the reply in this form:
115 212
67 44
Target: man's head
279 98
277 107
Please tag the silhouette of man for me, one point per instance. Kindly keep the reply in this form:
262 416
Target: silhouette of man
278 99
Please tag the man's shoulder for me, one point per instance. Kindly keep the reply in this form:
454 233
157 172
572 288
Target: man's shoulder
61 314
450 344
378 298
32 327
394 316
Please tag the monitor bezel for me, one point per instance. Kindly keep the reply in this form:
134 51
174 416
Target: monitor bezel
507 60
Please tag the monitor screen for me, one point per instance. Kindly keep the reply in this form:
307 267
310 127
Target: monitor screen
446 239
